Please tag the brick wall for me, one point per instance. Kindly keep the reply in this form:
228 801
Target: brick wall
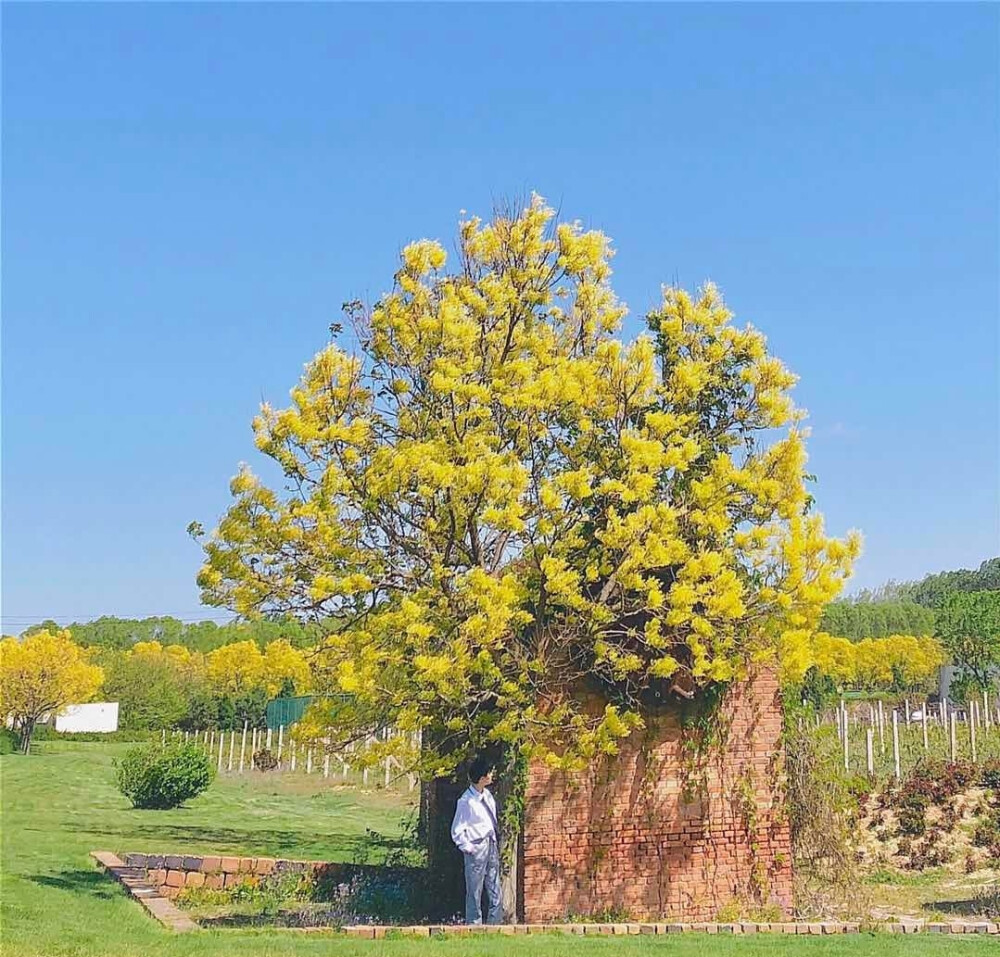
647 834
171 873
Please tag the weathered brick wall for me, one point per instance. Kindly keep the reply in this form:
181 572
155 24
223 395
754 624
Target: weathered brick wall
648 834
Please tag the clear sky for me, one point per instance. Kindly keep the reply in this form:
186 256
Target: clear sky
191 191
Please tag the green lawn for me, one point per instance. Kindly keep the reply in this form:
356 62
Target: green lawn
60 803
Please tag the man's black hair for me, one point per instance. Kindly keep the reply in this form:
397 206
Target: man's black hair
479 768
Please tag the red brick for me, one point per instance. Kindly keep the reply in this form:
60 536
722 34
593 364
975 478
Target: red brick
620 834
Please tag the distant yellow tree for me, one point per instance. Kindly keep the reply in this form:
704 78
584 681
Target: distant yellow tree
236 668
498 499
41 675
241 668
285 665
897 662
835 657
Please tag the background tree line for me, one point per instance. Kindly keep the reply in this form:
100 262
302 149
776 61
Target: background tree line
960 608
203 636
155 685
168 673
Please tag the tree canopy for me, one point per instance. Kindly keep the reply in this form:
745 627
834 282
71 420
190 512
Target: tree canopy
895 662
165 687
932 590
205 636
969 628
501 500
876 619
40 675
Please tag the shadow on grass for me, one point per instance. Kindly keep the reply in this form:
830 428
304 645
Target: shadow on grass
92 883
262 920
966 908
264 841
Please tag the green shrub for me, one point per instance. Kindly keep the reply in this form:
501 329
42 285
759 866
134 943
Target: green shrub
152 776
990 777
987 901
47 733
911 810
987 833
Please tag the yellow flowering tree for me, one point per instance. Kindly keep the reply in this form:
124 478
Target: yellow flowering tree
898 662
236 668
285 668
893 663
835 657
40 675
501 502
241 668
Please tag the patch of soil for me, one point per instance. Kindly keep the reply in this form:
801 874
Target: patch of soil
938 873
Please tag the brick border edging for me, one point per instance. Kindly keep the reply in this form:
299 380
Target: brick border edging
133 876
812 928
133 879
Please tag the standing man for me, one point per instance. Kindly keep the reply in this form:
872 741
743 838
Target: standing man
474 830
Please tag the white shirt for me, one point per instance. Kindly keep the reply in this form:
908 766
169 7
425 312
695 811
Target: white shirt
474 819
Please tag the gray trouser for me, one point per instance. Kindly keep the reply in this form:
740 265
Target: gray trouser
482 869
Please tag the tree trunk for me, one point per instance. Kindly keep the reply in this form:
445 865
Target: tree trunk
510 884
445 885
27 729
511 840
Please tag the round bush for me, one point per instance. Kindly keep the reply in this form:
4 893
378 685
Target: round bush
153 776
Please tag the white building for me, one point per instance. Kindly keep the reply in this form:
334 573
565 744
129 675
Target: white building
100 716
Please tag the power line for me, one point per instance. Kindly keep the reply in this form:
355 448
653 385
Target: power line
82 619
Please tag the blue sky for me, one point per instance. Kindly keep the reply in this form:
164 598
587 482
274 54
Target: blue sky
191 191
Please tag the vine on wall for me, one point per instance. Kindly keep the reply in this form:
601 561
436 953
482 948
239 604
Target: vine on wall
515 775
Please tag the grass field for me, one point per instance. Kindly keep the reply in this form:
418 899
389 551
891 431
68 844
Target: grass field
60 803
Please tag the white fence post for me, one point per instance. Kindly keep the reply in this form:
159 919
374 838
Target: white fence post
895 742
847 737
